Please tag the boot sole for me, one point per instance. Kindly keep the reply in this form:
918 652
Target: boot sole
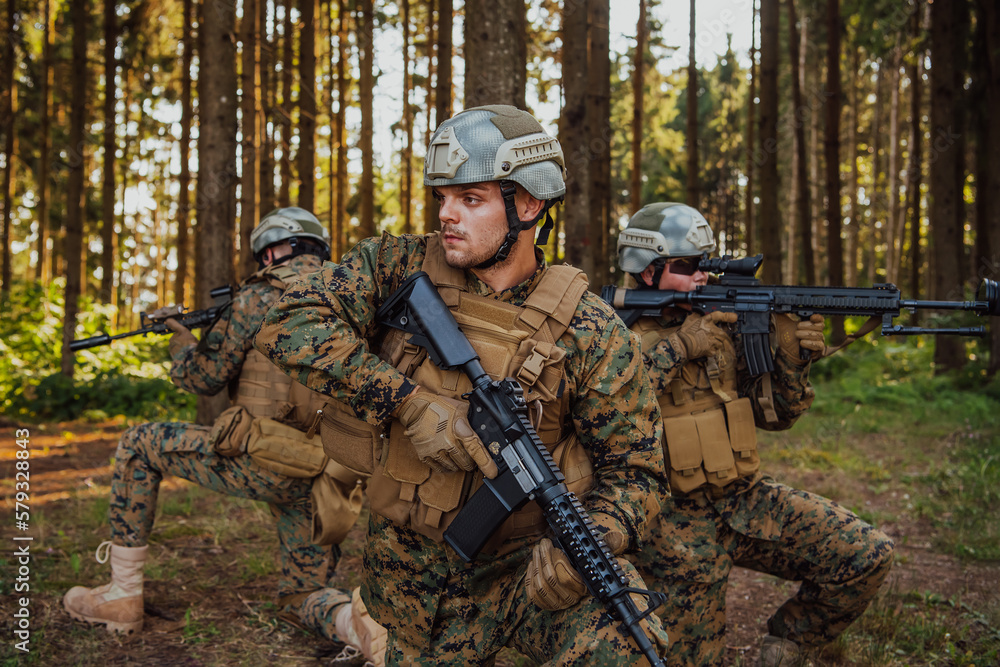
121 627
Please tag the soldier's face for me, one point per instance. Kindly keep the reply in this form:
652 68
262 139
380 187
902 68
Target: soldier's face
473 222
681 281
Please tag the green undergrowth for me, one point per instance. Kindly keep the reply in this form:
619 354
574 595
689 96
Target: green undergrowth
129 377
881 415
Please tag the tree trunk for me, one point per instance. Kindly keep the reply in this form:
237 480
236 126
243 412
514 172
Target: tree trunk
8 109
250 134
496 52
265 102
988 20
307 106
693 187
181 279
854 185
800 178
832 152
340 240
815 214
574 133
599 111
748 211
443 99
876 208
43 269
892 224
406 158
366 36
286 108
331 138
108 192
914 164
73 241
217 175
638 86
770 219
946 163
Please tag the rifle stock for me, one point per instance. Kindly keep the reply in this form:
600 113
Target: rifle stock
499 416
738 291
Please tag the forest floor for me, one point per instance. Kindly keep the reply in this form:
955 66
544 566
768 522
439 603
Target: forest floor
211 575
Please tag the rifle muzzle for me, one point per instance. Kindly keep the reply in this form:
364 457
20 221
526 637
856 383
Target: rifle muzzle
93 341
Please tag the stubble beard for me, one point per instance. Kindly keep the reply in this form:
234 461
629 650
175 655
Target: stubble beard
468 260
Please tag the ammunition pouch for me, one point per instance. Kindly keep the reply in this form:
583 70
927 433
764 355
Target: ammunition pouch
337 497
710 433
285 450
716 446
349 441
230 430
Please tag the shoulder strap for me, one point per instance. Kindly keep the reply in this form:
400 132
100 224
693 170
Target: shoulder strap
554 300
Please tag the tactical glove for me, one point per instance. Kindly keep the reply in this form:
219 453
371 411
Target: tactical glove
552 582
614 536
439 429
700 336
793 337
182 336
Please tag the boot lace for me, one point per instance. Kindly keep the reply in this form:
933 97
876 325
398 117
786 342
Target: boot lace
106 545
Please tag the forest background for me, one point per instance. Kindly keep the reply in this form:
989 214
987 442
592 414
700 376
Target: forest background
142 140
851 144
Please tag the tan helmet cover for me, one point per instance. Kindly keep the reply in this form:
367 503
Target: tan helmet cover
495 143
285 223
664 229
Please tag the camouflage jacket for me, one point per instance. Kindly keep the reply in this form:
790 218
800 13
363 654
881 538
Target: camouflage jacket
324 334
793 394
209 366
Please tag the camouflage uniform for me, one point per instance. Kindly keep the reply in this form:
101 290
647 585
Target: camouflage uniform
438 609
753 522
149 451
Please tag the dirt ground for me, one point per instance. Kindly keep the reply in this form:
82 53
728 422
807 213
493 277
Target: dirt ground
72 461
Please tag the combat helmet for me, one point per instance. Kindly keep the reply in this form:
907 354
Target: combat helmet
505 144
664 229
288 224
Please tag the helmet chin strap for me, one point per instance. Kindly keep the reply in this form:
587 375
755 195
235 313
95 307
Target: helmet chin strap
515 225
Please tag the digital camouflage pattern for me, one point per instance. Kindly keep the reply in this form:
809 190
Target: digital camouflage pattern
483 606
149 451
759 524
322 332
208 367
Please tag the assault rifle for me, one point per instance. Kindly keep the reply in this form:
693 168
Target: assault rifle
499 416
739 291
222 296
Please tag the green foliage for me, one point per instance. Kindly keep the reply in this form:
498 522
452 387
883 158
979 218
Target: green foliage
928 629
880 410
128 377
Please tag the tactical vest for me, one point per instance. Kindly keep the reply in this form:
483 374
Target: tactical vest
512 341
262 388
710 432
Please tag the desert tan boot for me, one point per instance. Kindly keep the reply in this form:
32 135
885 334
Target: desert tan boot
117 604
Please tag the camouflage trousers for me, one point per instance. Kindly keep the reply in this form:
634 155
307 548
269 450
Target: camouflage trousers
439 610
149 451
695 541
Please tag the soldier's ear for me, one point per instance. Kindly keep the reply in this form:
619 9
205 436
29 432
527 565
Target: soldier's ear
647 275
